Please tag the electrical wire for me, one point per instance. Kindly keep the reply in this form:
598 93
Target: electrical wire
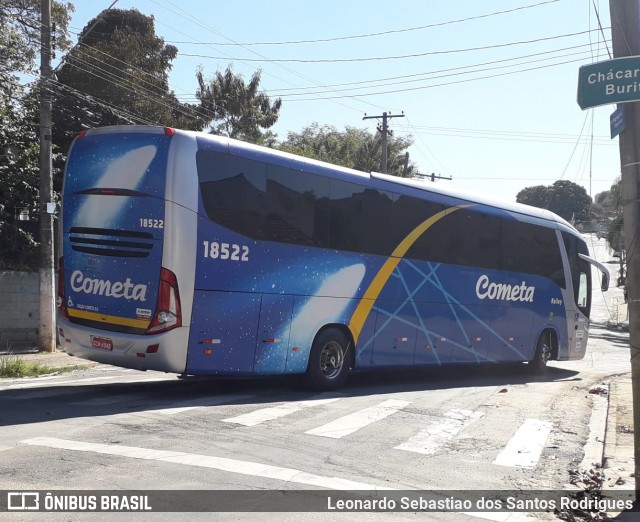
370 35
399 57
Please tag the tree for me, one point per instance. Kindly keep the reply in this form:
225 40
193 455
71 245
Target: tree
354 148
567 199
20 35
234 108
19 143
537 196
118 74
615 228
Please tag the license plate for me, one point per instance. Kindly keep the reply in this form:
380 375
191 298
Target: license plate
101 343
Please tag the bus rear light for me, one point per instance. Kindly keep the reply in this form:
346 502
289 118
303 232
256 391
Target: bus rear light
168 314
169 131
61 303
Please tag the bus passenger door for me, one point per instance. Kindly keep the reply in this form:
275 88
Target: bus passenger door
223 333
273 334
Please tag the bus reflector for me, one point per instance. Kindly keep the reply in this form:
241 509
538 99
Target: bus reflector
153 348
168 314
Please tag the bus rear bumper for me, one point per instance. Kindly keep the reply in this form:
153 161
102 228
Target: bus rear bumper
166 352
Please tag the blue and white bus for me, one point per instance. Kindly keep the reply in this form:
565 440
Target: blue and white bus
201 255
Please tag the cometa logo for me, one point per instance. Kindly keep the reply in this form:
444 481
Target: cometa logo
485 289
119 289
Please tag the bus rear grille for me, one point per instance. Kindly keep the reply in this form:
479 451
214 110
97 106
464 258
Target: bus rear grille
109 242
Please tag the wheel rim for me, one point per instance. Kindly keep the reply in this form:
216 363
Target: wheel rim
331 360
545 354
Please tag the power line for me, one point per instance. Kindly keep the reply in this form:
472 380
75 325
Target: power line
434 75
400 57
370 35
492 76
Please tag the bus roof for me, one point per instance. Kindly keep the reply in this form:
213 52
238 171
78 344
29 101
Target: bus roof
419 184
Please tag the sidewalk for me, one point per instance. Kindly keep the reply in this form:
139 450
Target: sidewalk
57 359
618 455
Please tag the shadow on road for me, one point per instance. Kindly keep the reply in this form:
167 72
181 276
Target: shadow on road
68 401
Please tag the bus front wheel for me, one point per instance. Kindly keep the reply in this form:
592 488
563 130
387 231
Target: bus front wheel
543 353
329 360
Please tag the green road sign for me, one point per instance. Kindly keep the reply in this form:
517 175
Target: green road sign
612 81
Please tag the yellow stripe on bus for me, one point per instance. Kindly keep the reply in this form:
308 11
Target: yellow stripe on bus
112 319
363 310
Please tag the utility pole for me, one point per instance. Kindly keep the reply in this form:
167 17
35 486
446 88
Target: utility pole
384 131
433 176
625 32
47 207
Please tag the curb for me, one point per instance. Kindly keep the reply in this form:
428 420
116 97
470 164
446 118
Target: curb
594 450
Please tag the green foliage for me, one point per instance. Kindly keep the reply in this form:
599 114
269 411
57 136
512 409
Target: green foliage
234 108
615 229
567 199
20 33
118 74
354 148
19 141
19 183
14 366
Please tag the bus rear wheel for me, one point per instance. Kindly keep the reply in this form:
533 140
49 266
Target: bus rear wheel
543 353
330 360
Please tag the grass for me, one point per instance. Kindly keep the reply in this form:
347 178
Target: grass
12 366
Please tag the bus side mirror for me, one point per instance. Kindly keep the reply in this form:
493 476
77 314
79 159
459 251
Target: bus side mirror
603 269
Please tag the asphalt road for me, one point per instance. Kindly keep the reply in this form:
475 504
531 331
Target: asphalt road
494 428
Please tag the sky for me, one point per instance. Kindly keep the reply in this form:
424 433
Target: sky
486 89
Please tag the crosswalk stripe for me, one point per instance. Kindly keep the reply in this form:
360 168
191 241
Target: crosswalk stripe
429 440
242 467
354 421
275 412
171 409
525 447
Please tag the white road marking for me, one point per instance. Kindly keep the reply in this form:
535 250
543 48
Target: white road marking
429 440
353 422
193 404
266 414
108 379
525 447
241 467
50 381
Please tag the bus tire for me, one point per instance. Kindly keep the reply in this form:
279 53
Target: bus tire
543 353
330 360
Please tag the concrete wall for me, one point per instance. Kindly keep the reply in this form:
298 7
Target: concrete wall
19 310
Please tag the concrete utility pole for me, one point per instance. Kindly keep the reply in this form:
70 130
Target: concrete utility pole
625 32
47 280
384 131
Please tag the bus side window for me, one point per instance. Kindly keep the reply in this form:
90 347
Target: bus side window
583 291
